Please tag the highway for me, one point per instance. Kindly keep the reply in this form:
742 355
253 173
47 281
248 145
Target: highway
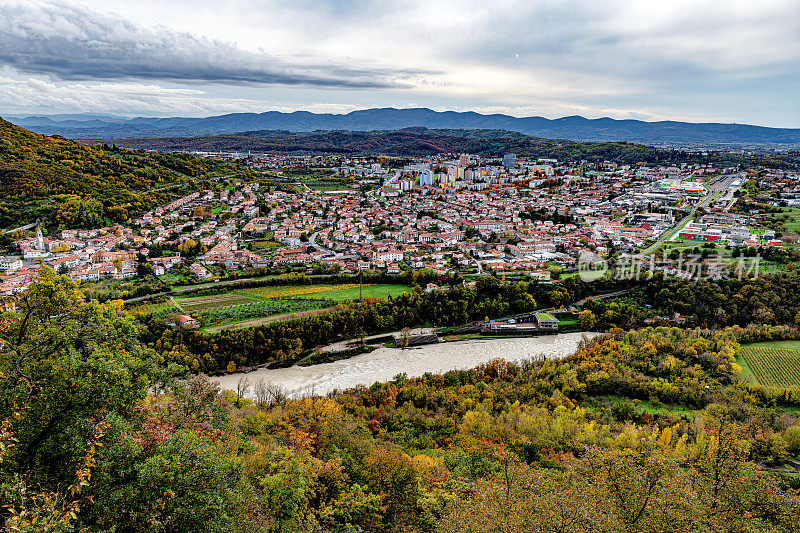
716 187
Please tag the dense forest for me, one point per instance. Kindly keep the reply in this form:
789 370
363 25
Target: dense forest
68 184
642 430
422 142
770 299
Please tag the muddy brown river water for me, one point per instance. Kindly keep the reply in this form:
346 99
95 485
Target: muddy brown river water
385 363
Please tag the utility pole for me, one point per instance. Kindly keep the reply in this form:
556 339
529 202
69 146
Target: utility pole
360 285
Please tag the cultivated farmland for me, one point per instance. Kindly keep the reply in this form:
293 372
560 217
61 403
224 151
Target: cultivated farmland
248 305
202 303
339 293
773 367
263 308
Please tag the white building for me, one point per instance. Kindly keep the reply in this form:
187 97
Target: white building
10 263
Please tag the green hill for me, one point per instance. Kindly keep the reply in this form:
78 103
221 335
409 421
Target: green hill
66 183
417 142
407 142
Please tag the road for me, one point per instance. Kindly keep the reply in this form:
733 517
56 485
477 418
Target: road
313 241
579 303
477 262
23 228
716 187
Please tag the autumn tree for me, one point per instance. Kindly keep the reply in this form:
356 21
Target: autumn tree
587 320
66 364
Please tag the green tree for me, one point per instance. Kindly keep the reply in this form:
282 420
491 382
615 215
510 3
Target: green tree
66 364
184 486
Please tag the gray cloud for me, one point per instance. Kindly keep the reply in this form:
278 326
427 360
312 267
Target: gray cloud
630 40
75 43
709 60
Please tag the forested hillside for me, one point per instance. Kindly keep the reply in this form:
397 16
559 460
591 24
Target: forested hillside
646 430
67 183
422 141
406 142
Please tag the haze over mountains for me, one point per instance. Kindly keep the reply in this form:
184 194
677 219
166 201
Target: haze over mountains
99 126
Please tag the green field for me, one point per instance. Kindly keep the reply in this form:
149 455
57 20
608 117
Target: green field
157 308
719 251
175 279
265 245
587 275
781 345
771 364
247 306
216 301
688 245
313 179
788 220
793 224
571 321
257 309
338 293
370 291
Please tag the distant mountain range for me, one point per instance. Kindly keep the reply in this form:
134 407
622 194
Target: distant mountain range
98 126
416 141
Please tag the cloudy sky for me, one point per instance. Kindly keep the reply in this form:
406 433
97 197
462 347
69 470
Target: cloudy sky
696 60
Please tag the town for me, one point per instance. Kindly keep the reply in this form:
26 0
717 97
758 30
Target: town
462 214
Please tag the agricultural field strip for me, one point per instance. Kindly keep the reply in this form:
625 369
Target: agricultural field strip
295 291
257 308
244 304
202 303
773 367
248 296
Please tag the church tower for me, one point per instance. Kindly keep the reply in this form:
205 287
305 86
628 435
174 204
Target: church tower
39 237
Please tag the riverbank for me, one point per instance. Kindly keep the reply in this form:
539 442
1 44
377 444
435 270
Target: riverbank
385 363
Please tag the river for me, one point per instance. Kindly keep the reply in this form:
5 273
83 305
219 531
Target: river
385 363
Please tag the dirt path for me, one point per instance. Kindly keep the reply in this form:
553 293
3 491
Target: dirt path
267 319
602 296
172 300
